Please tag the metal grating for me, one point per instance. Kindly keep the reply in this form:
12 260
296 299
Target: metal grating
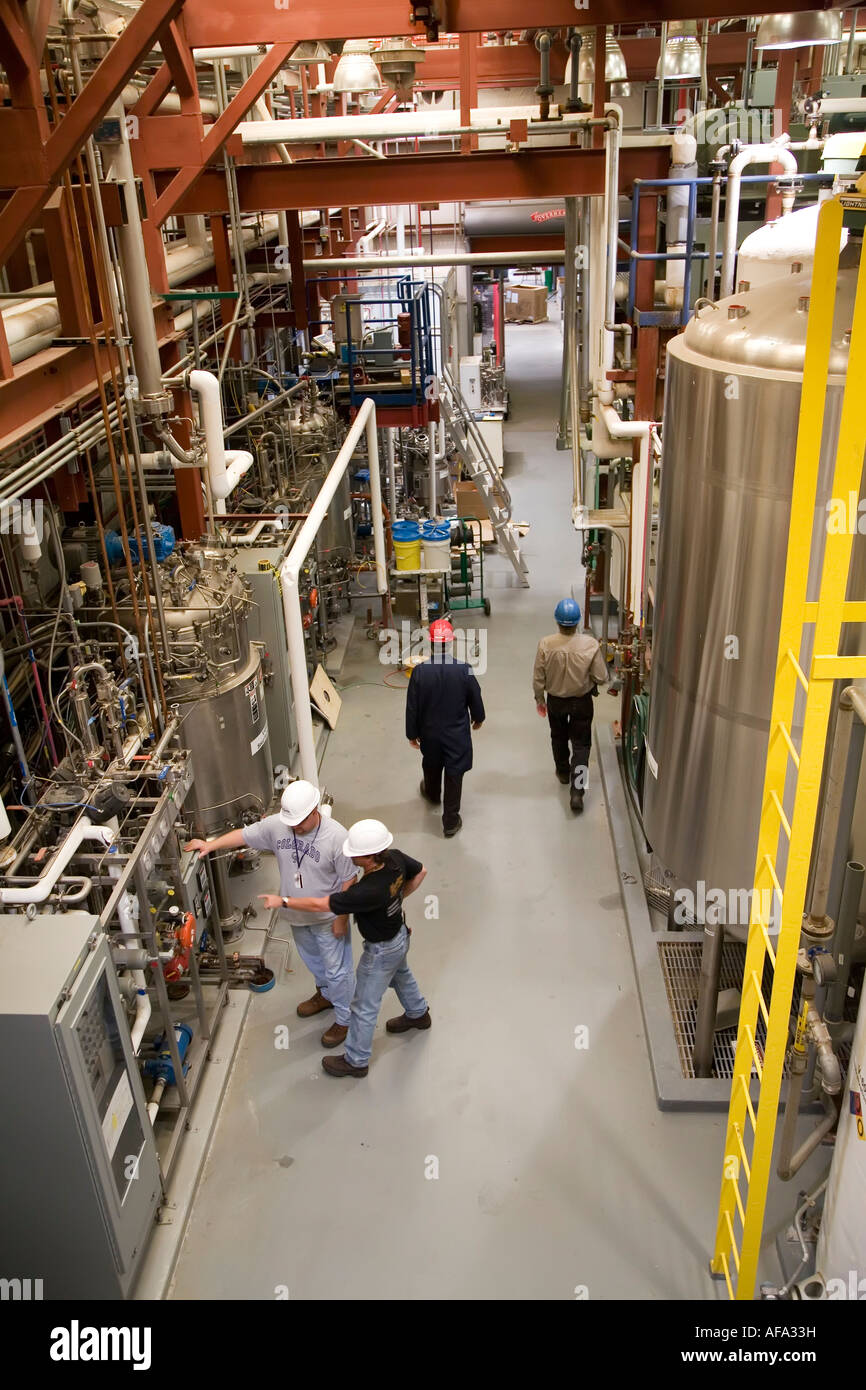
658 891
681 968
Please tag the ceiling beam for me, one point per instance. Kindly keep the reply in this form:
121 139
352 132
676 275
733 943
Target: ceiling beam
249 21
535 174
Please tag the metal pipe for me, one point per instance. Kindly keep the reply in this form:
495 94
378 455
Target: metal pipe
405 125
321 263
773 153
27 794
136 277
365 421
392 471
852 39
431 458
708 997
38 892
843 944
660 98
714 236
830 810
225 467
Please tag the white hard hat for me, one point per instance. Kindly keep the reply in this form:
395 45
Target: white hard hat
298 801
367 837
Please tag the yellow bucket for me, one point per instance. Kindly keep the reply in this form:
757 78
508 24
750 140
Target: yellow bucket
406 536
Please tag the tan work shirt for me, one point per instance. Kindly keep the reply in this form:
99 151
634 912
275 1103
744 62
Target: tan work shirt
567 665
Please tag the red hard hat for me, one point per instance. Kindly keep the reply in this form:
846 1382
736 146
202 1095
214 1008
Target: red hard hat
441 631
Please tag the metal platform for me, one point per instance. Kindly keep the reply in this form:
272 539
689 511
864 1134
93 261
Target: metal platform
666 964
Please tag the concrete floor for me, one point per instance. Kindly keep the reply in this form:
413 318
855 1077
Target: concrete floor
557 1175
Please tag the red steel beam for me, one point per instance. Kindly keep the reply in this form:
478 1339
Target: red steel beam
249 21
82 118
222 128
498 65
537 173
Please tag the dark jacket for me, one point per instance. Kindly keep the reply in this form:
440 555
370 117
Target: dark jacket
442 697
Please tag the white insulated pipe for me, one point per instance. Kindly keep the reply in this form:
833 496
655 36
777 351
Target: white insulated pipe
225 466
290 570
392 471
776 152
39 892
641 496
490 120
128 915
401 260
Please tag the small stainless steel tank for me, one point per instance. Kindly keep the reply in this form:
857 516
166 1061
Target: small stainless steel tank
732 400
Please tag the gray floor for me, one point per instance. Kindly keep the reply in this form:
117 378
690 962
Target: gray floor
556 1172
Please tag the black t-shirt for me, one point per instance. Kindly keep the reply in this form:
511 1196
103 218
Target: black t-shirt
377 901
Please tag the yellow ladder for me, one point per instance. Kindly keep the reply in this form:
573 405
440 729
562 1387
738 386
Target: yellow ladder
750 1133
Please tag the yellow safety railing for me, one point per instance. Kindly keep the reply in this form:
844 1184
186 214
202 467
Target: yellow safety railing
750 1132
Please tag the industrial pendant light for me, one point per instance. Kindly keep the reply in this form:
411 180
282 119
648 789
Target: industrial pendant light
805 30
614 64
356 71
309 51
682 52
397 59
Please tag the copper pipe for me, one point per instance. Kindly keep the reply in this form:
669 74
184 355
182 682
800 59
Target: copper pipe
114 357
98 369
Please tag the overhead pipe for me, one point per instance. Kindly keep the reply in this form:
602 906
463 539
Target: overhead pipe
365 421
496 120
38 892
776 152
225 467
411 261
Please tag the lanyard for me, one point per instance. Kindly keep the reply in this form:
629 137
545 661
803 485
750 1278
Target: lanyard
300 857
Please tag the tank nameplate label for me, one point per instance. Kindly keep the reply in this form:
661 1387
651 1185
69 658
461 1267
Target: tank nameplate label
251 689
259 740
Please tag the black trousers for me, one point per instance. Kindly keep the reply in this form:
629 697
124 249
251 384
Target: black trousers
570 719
433 768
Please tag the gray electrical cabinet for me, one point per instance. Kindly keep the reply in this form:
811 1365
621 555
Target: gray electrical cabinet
78 1166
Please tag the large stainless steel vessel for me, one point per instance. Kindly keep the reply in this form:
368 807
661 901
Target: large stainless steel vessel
730 428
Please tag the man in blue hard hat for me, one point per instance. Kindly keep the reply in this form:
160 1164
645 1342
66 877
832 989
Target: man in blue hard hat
568 666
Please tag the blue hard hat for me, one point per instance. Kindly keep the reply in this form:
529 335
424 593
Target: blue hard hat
567 612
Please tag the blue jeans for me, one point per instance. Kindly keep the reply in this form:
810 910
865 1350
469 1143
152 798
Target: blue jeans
329 960
382 963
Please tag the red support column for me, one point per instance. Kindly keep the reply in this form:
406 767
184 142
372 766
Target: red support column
296 264
468 87
71 295
225 278
599 90
786 73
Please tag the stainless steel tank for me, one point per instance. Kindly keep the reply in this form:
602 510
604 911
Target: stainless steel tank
227 734
214 672
730 429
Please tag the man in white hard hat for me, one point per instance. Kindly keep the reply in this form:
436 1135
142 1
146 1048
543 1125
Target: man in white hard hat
309 850
377 902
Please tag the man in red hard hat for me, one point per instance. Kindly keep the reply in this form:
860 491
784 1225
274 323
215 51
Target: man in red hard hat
442 699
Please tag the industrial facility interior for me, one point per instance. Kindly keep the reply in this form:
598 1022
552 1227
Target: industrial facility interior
320 325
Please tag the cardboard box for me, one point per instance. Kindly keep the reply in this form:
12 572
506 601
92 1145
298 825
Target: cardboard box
469 501
525 304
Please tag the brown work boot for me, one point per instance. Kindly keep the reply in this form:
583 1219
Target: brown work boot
404 1023
338 1066
335 1035
316 1005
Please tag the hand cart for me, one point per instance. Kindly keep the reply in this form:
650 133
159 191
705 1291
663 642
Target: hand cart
460 588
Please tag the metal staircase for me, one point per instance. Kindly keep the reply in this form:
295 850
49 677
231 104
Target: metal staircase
758 1069
480 467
